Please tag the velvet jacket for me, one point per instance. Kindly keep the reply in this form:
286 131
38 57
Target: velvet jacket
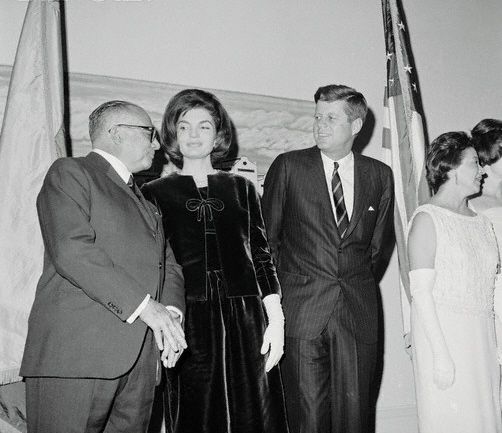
234 206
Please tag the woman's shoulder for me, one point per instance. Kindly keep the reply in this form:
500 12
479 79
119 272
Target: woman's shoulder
164 180
227 176
424 211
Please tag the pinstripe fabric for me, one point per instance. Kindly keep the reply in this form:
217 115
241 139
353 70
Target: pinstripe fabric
342 217
313 262
328 281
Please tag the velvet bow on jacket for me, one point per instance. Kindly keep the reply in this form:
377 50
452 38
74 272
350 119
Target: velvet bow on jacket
234 206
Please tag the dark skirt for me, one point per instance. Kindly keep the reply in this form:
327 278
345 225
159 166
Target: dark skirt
219 384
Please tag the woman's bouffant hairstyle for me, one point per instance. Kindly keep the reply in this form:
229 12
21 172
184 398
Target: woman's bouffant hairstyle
187 100
445 154
487 140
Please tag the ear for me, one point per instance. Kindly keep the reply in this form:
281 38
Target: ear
356 126
115 135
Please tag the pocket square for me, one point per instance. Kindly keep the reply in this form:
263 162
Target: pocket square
370 209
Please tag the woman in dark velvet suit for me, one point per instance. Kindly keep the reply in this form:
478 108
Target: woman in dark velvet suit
228 379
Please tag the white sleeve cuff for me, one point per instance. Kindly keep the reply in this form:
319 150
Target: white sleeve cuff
138 310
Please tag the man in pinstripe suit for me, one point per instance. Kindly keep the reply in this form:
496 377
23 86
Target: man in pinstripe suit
328 213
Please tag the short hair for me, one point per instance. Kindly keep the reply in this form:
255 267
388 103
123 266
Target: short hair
184 101
355 103
487 140
444 154
98 116
486 125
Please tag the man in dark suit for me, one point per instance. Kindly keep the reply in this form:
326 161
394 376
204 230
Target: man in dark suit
90 360
328 215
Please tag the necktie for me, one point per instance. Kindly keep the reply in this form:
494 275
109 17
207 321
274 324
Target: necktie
342 218
134 188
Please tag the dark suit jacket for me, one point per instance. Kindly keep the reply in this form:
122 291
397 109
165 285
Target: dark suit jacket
313 263
104 251
235 206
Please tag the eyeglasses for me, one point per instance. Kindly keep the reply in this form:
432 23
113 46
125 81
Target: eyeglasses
151 129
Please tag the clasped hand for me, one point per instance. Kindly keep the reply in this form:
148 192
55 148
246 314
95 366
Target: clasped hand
167 330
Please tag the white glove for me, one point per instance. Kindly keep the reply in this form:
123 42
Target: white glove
421 284
273 338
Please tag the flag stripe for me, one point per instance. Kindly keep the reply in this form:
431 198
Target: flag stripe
403 139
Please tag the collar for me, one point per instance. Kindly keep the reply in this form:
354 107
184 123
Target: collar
343 163
116 164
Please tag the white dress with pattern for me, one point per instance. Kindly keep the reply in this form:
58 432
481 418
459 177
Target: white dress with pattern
466 265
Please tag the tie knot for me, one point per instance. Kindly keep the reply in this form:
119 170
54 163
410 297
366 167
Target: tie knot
336 165
130 182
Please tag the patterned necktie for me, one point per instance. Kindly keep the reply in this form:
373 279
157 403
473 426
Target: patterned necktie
342 218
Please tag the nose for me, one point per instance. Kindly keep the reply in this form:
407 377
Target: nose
481 169
156 144
194 132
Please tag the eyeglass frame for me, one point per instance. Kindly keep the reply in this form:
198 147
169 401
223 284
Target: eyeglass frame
150 129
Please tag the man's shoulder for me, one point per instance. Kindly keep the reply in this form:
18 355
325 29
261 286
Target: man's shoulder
67 164
299 153
296 156
373 163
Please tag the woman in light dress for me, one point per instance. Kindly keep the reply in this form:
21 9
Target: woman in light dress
487 140
453 258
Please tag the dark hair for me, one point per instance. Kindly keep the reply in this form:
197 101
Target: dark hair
487 140
98 116
187 100
444 154
355 104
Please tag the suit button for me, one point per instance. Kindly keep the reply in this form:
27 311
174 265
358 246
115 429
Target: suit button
339 250
160 265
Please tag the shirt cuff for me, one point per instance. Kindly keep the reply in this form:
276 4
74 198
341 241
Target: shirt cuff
175 310
138 310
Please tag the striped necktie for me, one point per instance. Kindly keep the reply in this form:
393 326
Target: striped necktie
342 218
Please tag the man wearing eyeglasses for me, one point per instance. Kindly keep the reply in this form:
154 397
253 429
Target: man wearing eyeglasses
99 319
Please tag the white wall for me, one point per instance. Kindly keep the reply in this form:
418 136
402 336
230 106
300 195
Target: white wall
288 48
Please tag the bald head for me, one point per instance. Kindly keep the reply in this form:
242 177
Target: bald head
110 113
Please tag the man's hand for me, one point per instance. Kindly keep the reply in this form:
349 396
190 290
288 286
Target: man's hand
165 326
169 357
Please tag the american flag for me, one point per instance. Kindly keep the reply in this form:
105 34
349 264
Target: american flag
31 139
403 136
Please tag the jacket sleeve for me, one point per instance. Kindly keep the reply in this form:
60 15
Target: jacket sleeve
260 250
382 242
63 205
173 292
274 197
173 289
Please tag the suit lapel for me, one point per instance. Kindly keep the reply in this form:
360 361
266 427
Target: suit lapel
316 177
102 164
360 193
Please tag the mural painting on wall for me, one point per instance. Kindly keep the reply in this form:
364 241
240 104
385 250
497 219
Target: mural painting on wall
265 126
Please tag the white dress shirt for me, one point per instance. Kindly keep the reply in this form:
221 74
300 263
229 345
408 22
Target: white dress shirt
125 174
346 172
